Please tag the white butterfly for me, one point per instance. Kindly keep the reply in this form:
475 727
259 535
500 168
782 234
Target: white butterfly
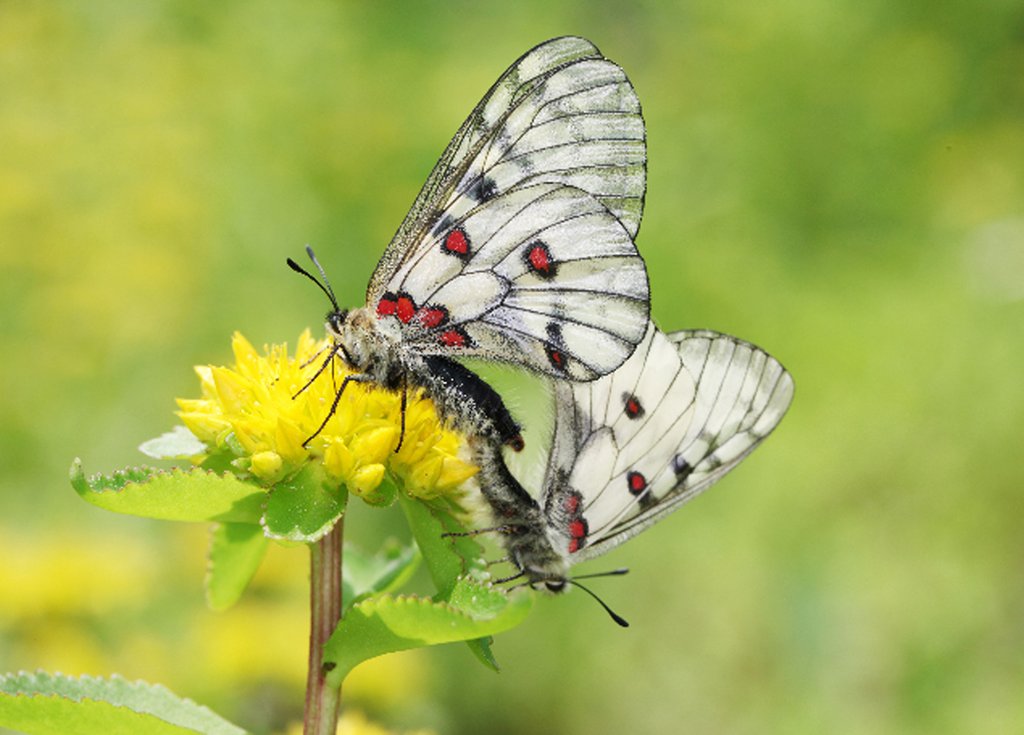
633 446
519 248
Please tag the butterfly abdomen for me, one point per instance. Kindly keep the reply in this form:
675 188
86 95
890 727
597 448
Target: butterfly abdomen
523 525
463 397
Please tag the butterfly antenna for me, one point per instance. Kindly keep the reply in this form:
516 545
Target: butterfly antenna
325 286
614 615
612 573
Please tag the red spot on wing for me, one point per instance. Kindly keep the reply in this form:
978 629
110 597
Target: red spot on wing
386 306
556 358
539 260
578 530
454 338
516 443
633 407
576 524
636 482
571 504
405 308
457 243
432 316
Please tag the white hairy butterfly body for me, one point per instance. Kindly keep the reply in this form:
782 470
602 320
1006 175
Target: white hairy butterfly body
519 248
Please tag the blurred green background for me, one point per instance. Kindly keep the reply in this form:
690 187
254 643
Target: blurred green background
841 182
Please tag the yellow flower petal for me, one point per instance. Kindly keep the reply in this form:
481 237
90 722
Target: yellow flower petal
267 466
288 438
338 460
232 390
245 353
271 404
454 472
205 426
366 479
422 479
375 445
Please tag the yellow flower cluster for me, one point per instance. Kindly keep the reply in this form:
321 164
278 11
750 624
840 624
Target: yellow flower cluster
259 410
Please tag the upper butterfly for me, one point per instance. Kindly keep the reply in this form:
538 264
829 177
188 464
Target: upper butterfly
519 248
634 446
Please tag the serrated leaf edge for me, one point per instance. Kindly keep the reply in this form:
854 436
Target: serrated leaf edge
136 685
104 482
371 604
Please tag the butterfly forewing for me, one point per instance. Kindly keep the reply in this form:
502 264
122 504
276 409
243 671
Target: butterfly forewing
581 127
542 187
467 142
682 411
562 97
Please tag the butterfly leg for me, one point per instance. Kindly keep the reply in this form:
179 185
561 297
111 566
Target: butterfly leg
354 378
405 398
478 531
323 366
517 575
313 357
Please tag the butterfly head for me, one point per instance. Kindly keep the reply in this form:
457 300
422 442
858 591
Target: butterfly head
336 321
361 338
558 583
354 332
555 585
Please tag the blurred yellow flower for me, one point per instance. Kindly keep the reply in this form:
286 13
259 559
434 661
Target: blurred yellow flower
259 410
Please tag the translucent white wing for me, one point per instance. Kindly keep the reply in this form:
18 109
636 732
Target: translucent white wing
561 112
635 445
543 276
519 247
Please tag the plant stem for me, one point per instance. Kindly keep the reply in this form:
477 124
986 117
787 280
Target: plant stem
322 700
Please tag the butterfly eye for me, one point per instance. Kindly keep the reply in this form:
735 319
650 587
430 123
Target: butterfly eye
336 320
555 585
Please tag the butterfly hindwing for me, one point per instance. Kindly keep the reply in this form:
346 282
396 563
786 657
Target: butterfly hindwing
682 411
519 247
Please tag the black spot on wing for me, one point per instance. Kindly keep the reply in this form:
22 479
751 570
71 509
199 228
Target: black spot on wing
483 189
443 224
554 348
681 467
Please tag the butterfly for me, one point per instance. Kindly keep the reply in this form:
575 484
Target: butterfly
518 249
631 447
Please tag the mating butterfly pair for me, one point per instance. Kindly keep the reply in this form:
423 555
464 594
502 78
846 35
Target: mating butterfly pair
519 249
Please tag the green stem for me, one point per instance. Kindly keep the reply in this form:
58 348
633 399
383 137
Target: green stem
322 700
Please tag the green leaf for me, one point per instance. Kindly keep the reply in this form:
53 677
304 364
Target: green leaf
364 574
448 557
385 624
236 550
303 508
53 704
383 495
172 495
178 443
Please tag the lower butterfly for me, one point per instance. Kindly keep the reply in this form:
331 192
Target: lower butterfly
635 445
